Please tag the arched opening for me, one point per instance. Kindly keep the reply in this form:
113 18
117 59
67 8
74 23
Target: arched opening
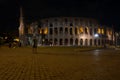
76 31
98 42
90 31
61 30
95 42
51 25
81 42
71 24
46 42
76 41
95 30
66 20
66 30
61 42
55 41
71 31
66 42
86 32
71 41
51 31
55 31
90 42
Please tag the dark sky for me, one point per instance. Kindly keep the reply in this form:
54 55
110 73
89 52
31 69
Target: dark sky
106 11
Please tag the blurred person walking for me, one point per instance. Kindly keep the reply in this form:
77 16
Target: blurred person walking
34 45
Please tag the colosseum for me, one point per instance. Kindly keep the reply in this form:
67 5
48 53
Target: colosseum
68 31
74 31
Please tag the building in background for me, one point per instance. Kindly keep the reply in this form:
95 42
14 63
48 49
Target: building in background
117 39
66 31
76 31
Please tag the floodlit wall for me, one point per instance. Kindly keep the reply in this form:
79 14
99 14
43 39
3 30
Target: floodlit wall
74 31
69 31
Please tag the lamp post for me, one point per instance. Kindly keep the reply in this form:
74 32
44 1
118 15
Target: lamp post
116 37
96 36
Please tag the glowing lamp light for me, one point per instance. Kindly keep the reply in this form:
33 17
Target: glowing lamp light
96 35
6 37
16 40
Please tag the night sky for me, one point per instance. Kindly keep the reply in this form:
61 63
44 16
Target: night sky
105 11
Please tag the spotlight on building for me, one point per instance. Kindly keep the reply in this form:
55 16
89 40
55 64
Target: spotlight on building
96 35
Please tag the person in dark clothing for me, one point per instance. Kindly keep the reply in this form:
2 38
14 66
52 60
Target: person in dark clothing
0 44
19 44
34 45
10 45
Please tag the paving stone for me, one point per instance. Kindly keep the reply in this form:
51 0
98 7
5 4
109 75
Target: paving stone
16 64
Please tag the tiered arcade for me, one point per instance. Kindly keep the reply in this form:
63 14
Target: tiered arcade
75 31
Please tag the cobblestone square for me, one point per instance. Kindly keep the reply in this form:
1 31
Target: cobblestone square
22 64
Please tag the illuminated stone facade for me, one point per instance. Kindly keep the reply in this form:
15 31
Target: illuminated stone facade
69 31
75 31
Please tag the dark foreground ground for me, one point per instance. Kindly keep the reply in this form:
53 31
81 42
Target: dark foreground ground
22 64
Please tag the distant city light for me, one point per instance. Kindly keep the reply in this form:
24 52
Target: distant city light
6 37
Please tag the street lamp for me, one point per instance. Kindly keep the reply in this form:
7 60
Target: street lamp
116 38
96 35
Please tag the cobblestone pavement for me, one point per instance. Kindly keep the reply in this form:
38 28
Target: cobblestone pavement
22 64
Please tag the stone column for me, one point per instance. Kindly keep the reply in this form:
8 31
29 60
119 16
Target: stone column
63 34
53 33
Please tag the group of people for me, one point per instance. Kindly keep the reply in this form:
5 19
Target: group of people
34 46
14 44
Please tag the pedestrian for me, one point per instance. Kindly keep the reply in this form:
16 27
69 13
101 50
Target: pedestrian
0 44
34 45
19 44
10 45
